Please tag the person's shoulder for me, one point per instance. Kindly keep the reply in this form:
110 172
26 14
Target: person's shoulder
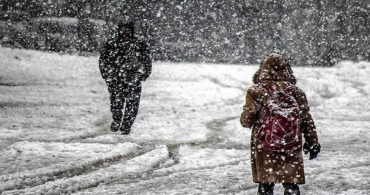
111 42
108 45
299 92
298 89
142 44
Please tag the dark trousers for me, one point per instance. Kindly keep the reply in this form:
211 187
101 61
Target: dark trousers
125 101
267 188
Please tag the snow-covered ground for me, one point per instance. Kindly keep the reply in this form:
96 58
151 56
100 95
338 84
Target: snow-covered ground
55 138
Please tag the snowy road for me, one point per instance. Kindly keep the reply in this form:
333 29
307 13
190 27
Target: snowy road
55 138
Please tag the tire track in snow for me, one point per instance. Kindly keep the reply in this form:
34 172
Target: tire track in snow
41 176
163 174
132 168
216 136
215 126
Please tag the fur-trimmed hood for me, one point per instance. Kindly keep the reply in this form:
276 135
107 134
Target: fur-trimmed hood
275 67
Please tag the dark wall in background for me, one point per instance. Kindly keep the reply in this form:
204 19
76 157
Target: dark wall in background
310 32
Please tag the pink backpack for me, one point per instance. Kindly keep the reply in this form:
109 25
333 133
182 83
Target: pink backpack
280 128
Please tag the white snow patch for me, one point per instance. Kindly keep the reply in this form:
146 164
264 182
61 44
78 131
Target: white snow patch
132 168
204 158
32 163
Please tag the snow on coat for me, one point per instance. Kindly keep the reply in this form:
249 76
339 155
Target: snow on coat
125 59
268 165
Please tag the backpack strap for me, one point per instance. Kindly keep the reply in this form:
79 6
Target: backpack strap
267 87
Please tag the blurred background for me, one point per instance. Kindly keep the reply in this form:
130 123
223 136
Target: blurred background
310 32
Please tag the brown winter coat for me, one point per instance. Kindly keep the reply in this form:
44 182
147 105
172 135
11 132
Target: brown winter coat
268 165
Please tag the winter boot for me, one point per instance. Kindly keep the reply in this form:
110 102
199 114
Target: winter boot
291 189
125 130
114 126
266 188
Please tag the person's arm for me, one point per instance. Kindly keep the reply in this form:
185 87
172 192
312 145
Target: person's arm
106 66
311 145
146 60
250 109
308 127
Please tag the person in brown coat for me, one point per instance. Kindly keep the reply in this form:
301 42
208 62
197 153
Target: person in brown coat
271 166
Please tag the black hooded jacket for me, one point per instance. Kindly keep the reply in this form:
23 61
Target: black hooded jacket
125 58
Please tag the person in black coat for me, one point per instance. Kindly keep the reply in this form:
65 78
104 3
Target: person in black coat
124 63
